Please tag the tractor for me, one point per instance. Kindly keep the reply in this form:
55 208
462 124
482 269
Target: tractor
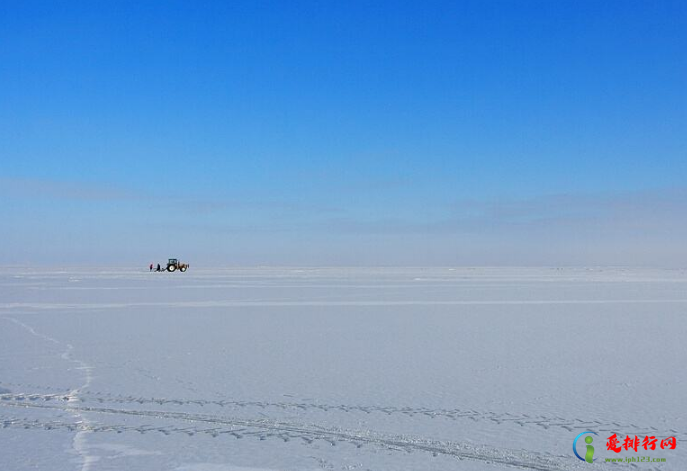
173 264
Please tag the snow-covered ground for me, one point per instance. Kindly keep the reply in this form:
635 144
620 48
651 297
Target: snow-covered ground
339 369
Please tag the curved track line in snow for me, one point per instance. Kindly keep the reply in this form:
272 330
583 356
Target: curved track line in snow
286 431
71 397
193 423
522 420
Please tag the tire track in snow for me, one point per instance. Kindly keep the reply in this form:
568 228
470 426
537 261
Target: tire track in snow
522 420
267 428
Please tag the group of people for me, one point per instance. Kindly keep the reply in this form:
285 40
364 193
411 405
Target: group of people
157 269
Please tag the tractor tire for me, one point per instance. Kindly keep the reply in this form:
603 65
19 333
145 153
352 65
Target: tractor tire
171 268
182 269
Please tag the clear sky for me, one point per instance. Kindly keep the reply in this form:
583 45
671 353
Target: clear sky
344 132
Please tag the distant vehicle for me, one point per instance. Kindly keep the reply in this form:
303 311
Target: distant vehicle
173 264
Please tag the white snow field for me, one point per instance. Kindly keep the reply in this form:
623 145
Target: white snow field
340 369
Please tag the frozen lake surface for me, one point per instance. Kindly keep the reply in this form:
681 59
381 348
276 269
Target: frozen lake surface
339 369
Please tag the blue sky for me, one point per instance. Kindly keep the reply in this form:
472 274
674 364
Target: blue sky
344 133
